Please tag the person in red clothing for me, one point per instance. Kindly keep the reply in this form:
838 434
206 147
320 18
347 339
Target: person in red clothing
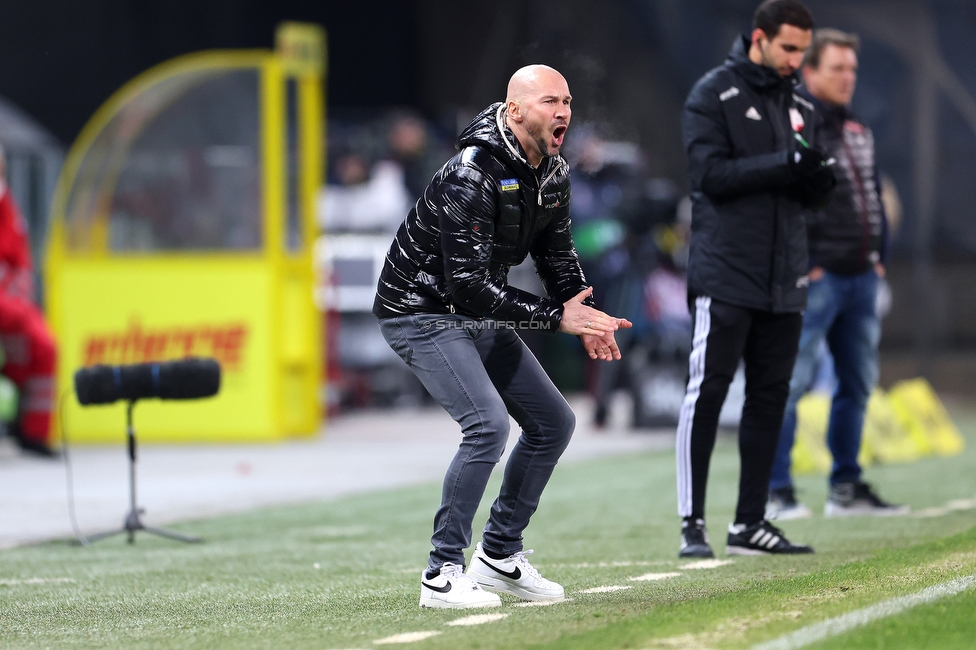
27 341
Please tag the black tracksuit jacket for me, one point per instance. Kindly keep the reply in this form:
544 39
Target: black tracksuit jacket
484 211
749 241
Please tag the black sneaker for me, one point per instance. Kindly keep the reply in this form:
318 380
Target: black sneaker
782 505
857 498
761 539
694 540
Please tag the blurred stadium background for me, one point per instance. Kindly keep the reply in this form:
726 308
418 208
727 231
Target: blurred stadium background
402 77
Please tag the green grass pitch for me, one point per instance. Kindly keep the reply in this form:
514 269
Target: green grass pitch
345 573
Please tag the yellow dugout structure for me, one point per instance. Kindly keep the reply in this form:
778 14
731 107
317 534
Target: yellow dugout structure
183 225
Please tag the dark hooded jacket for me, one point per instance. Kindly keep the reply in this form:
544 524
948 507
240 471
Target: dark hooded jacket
483 212
849 234
748 242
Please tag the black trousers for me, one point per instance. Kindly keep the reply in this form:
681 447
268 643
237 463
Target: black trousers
767 343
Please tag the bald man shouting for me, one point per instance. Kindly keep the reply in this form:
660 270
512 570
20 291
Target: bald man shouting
445 306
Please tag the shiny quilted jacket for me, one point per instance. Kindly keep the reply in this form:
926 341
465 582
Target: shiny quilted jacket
484 211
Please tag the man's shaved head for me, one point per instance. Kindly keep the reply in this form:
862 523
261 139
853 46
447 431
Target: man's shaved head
538 110
528 80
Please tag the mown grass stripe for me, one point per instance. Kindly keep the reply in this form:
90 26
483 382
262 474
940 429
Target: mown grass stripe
840 624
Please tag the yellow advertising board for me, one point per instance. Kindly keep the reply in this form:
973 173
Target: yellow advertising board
183 225
124 313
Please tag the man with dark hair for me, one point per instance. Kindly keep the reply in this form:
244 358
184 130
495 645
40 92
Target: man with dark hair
446 308
753 174
847 246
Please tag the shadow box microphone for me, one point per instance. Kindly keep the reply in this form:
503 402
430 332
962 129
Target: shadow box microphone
191 378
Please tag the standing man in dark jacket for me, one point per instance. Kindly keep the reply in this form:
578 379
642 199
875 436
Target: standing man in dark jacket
753 173
445 306
847 246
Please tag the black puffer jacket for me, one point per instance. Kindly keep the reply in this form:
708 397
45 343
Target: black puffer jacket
849 235
748 243
483 212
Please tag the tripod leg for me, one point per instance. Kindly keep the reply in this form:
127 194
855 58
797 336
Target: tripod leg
98 536
132 521
168 533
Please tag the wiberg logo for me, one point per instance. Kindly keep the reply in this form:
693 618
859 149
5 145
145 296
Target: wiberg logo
753 114
509 184
728 94
226 342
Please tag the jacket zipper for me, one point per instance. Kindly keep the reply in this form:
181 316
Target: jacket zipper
546 180
859 182
525 232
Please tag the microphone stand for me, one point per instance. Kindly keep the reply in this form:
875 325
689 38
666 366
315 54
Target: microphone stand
133 522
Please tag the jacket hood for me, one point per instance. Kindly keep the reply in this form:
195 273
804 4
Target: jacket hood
760 77
489 130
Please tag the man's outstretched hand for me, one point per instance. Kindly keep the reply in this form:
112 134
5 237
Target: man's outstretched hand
593 326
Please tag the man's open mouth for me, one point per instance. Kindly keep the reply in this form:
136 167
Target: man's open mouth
557 134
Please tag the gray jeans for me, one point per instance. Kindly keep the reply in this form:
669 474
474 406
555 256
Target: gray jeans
480 375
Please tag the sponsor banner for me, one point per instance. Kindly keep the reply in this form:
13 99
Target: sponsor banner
125 311
137 344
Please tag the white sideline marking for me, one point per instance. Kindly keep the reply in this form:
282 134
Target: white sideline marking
541 603
406 637
604 565
34 581
952 506
477 619
705 564
840 624
654 576
605 590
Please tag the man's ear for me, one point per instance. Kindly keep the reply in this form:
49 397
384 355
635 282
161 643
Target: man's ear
758 34
514 111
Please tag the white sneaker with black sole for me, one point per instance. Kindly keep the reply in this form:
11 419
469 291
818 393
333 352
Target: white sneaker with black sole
513 575
452 589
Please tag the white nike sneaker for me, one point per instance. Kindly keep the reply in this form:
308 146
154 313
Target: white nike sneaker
451 589
513 575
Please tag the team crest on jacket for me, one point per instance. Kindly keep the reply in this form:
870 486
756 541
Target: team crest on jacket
509 184
796 119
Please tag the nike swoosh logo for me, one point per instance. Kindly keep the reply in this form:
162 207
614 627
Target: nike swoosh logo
441 590
514 575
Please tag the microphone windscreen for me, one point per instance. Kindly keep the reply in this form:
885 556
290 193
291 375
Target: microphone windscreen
139 380
189 378
98 384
